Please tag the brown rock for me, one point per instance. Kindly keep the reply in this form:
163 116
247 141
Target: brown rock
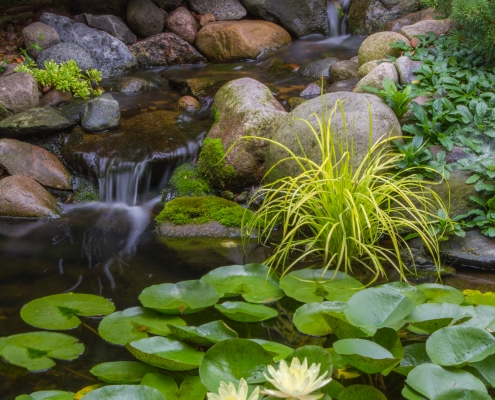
55 97
206 19
183 24
236 40
20 158
21 196
377 46
188 104
18 92
437 26
39 35
409 19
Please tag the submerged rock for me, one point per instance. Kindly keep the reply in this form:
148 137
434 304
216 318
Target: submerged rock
18 92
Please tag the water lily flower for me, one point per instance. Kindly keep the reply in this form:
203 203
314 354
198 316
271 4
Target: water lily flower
296 382
229 392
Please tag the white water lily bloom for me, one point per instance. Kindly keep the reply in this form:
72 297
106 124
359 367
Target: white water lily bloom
296 382
229 392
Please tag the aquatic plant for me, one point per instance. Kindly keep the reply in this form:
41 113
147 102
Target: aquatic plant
339 213
229 392
211 164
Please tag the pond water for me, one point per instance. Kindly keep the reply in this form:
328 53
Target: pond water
109 247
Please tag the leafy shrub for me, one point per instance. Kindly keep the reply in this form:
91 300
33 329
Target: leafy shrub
186 181
211 164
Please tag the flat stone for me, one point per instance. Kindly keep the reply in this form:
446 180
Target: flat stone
39 34
310 91
474 250
210 229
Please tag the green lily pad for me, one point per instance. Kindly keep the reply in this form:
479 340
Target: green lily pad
464 394
486 369
456 345
136 323
174 298
390 340
254 282
433 381
191 388
165 353
308 318
414 354
481 316
125 392
379 307
47 395
122 372
35 351
205 335
246 312
314 355
59 311
343 329
436 293
277 350
430 317
233 359
316 285
365 355
407 290
410 394
360 392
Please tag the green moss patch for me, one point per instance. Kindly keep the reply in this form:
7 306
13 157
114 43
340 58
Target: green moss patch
186 182
199 210
211 164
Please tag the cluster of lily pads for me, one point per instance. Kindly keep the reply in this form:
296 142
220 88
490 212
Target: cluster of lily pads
438 338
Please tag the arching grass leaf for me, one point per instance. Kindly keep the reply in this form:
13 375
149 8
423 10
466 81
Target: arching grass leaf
47 395
430 317
360 392
277 350
125 392
35 351
205 335
174 298
122 372
191 388
436 293
59 311
136 323
308 318
246 312
254 282
165 353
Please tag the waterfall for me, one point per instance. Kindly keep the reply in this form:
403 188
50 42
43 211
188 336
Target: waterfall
337 15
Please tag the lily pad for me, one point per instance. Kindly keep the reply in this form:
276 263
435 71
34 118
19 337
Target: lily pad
456 345
316 285
308 318
174 298
314 355
343 329
481 316
47 395
136 323
125 392
233 359
277 350
246 312
166 353
256 283
205 335
360 392
414 354
35 351
191 388
436 293
60 311
430 317
486 369
390 340
122 372
407 290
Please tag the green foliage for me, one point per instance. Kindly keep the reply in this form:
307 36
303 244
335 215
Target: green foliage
482 217
211 164
199 210
66 77
186 181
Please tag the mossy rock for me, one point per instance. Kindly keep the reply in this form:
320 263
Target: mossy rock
211 164
186 182
199 210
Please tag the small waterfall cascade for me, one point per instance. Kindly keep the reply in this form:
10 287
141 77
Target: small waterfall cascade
337 16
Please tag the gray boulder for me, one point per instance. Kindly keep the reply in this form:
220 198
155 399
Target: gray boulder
113 25
101 114
474 250
223 10
343 70
64 52
294 132
18 92
183 24
376 76
23 197
39 34
299 17
317 69
144 17
245 107
111 56
405 67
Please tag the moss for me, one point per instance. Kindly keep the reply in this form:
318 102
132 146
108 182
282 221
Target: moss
215 112
85 193
199 210
211 164
357 16
186 181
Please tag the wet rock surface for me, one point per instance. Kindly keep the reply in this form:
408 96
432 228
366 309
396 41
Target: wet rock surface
317 69
474 250
101 114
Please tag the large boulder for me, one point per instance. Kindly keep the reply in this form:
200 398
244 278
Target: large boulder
183 24
165 49
245 107
111 24
101 114
299 17
64 52
294 133
144 17
437 26
376 76
226 41
223 10
18 92
19 158
36 121
21 196
111 56
369 16
377 46
37 35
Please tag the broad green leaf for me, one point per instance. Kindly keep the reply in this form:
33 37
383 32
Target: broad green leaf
436 293
414 354
165 353
136 323
316 285
486 369
277 350
254 282
47 395
246 312
122 372
308 318
433 381
84 391
361 392
389 339
190 389
125 392
314 355
378 307
174 298
407 290
205 335
456 345
481 316
463 394
332 389
35 351
343 329
430 317
365 355
233 359
411 394
59 311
